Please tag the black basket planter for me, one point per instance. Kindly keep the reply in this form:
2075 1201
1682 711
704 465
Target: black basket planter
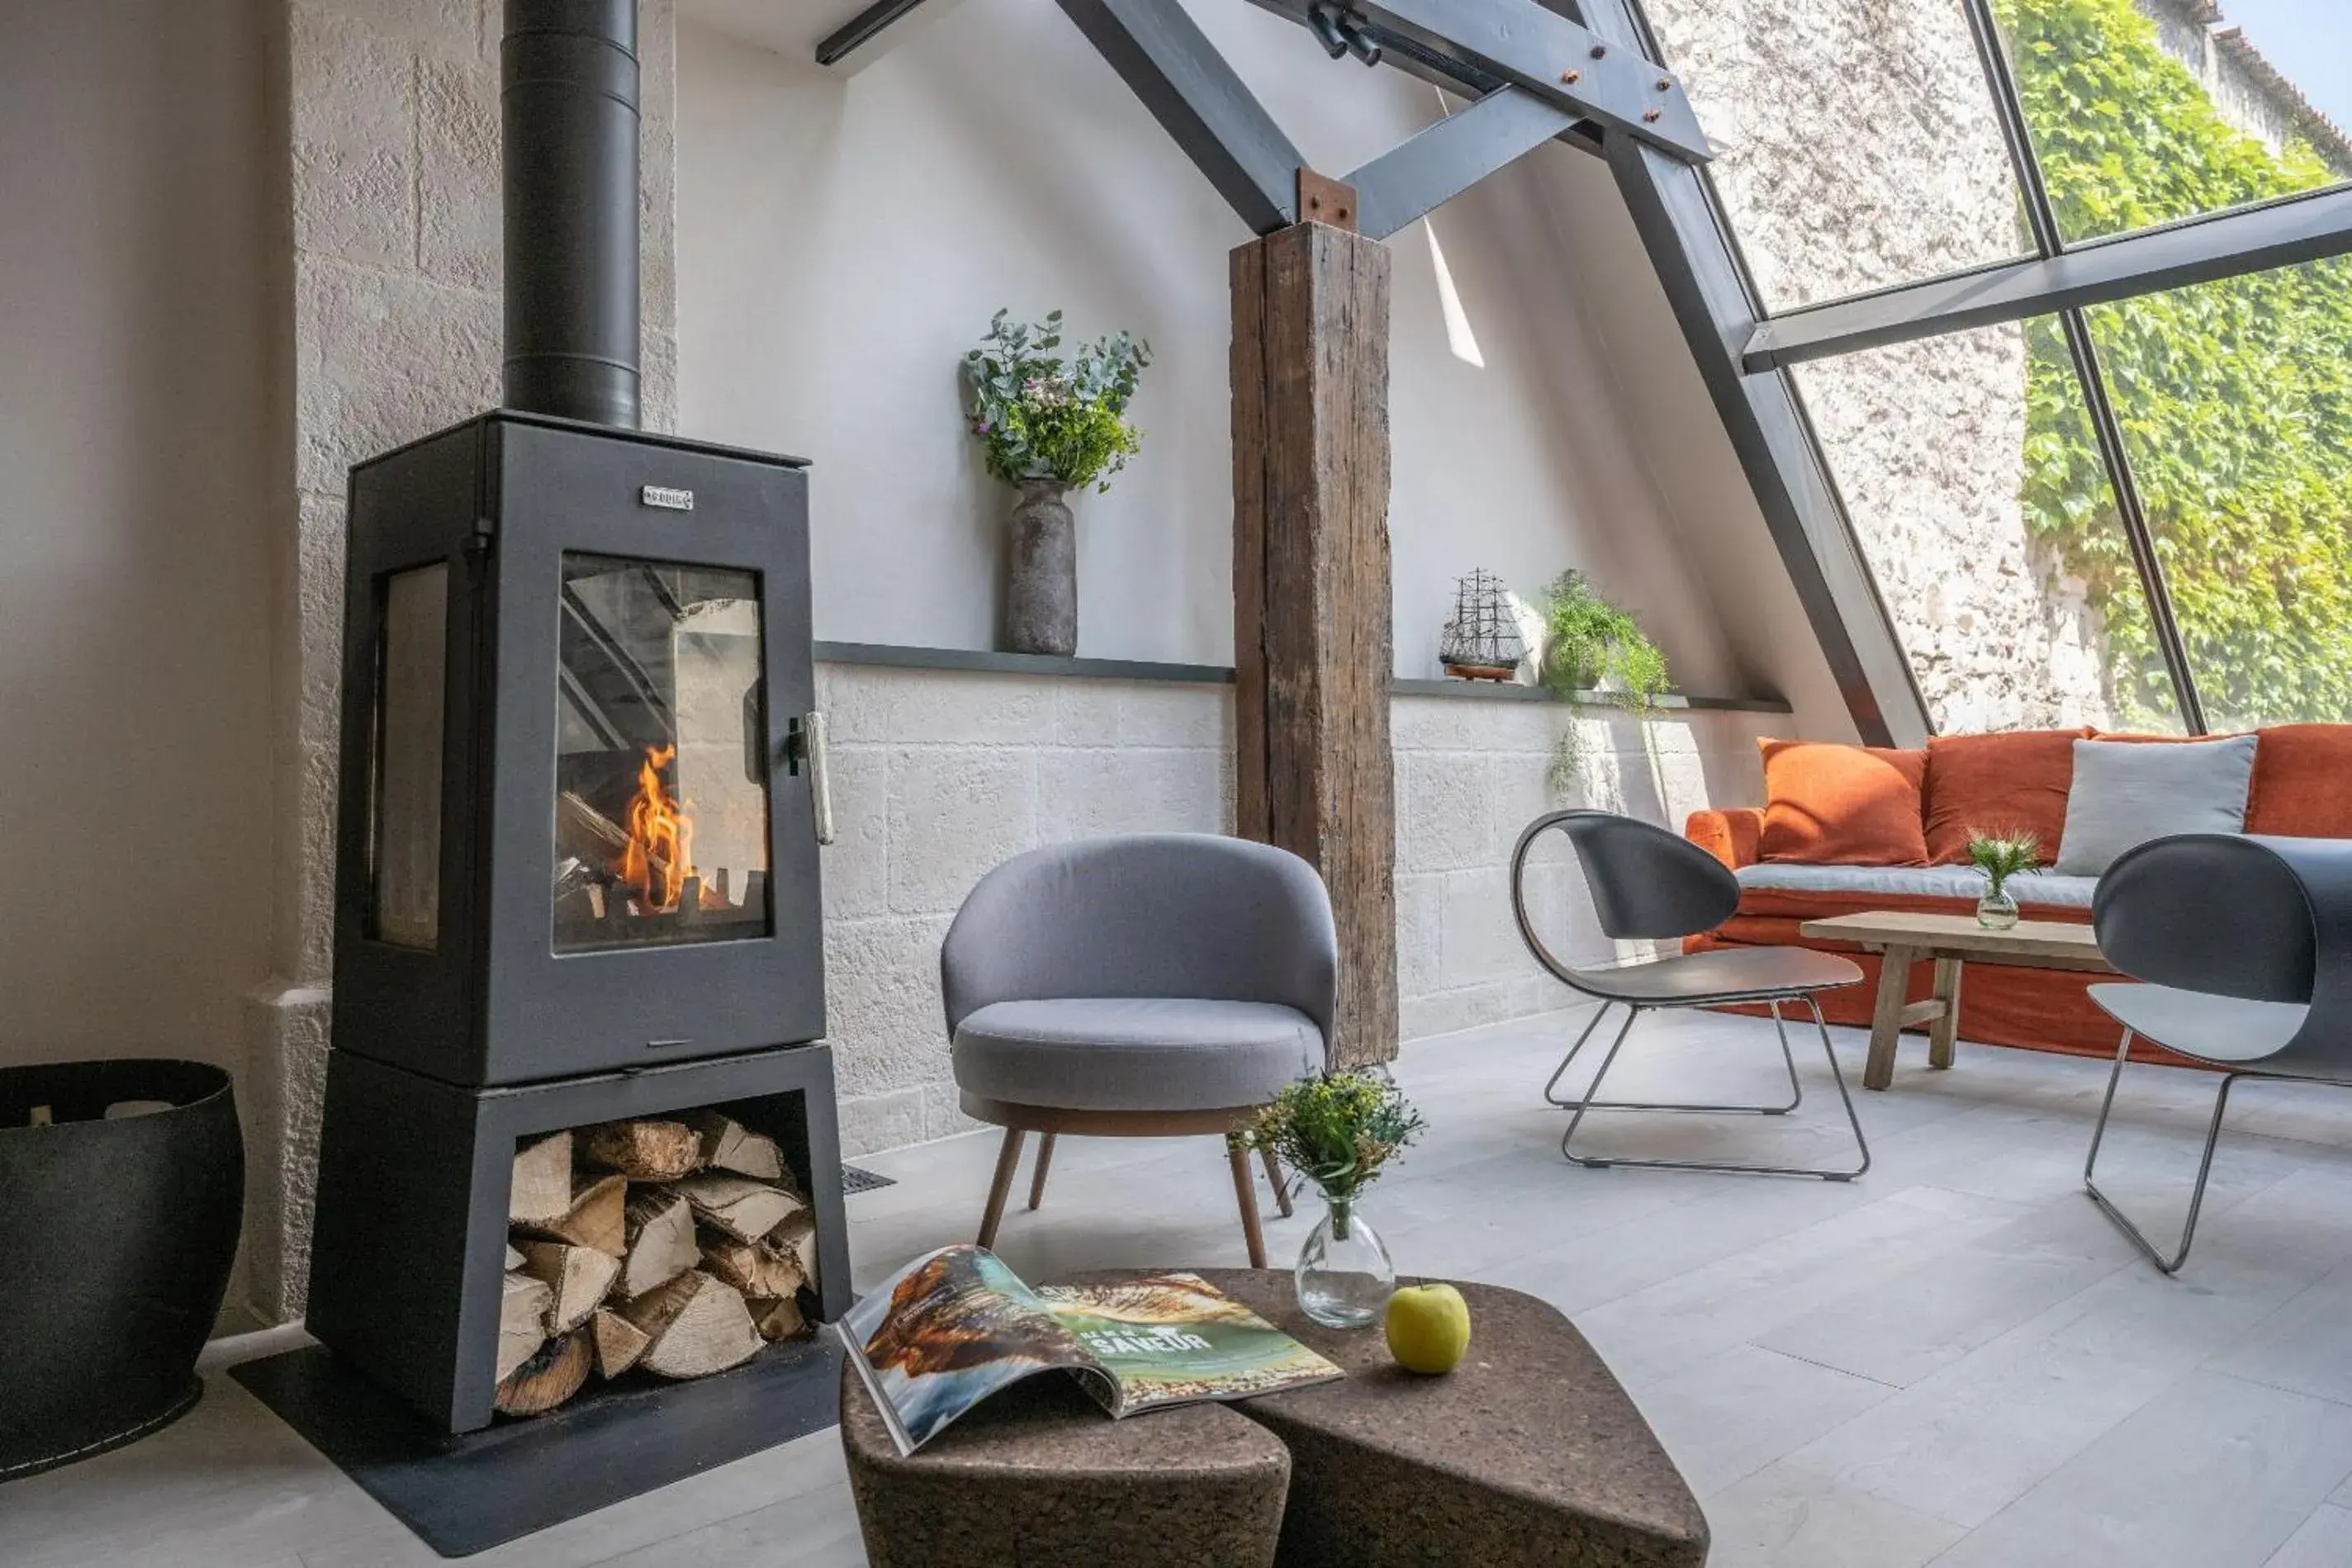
119 1237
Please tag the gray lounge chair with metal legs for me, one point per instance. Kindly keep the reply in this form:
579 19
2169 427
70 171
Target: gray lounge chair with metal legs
1648 884
2245 947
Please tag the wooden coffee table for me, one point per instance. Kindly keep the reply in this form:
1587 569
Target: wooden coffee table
1528 1455
1951 941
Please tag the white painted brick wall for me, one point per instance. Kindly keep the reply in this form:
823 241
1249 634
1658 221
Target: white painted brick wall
938 776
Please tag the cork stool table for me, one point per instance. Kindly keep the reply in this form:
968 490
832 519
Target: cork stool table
1530 1455
1038 1475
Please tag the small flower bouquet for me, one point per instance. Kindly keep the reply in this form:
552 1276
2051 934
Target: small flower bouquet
1339 1131
2001 856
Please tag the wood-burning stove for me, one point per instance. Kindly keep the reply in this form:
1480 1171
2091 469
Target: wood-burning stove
576 863
576 859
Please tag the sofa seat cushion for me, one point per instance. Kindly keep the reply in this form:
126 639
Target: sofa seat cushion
1857 885
2009 784
1134 1053
1841 805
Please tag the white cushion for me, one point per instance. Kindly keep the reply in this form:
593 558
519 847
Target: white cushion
2127 793
1930 881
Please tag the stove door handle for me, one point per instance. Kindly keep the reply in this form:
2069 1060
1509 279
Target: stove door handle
811 739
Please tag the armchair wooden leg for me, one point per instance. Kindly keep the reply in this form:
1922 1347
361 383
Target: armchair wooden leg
1274 1174
1037 1177
1245 1192
1008 1161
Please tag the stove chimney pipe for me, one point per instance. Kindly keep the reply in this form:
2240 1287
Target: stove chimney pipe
569 118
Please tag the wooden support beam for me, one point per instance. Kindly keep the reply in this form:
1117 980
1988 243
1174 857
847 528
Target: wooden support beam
1311 601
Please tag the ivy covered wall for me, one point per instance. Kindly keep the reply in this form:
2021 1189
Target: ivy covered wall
2235 397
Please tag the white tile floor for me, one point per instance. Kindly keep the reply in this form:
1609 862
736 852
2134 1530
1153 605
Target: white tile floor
1955 1360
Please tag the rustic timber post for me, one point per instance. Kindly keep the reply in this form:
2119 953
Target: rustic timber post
1311 601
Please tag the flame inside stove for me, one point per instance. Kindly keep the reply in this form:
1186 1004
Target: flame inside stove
659 856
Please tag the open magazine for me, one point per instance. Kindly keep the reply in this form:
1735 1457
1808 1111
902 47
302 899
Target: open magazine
956 1325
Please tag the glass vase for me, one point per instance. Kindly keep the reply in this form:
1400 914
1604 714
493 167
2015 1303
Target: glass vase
1344 1275
1997 911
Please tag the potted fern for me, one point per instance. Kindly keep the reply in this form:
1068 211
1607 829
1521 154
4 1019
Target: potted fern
1591 644
2001 856
1049 425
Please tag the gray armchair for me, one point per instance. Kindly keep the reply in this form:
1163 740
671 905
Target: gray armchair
2244 948
1149 986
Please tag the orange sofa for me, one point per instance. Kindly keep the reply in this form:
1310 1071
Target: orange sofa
2302 788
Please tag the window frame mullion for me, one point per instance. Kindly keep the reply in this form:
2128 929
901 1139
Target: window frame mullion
2050 242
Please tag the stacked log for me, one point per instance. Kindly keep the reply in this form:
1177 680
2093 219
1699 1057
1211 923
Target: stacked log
680 1246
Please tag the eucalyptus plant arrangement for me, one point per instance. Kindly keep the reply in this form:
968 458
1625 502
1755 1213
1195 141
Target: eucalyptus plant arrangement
1338 1130
1042 418
1590 642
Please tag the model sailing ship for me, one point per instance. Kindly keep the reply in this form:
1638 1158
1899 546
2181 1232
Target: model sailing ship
1482 641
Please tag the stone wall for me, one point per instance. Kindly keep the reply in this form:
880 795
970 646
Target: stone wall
391 141
2248 87
938 776
1858 149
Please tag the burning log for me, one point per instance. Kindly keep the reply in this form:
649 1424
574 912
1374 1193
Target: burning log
547 1379
697 1324
644 1150
584 830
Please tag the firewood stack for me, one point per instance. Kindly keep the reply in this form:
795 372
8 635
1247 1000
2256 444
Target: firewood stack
679 1245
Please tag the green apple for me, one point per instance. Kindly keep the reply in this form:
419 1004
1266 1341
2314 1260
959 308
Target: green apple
1428 1327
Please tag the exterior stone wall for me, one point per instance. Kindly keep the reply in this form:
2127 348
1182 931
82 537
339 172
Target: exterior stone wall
2250 90
392 181
1858 149
940 776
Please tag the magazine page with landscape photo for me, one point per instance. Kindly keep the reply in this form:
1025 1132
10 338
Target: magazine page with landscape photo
1171 1339
946 1331
955 1326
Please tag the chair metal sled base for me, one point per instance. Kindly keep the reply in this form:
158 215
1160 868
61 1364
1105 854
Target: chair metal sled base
1796 1097
2204 1166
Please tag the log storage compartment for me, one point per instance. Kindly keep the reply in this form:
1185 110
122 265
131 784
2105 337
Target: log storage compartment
681 1245
616 1233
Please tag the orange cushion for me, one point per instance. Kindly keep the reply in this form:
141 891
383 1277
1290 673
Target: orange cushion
2303 781
1841 805
2013 783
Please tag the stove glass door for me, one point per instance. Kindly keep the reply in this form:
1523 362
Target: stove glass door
661 805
